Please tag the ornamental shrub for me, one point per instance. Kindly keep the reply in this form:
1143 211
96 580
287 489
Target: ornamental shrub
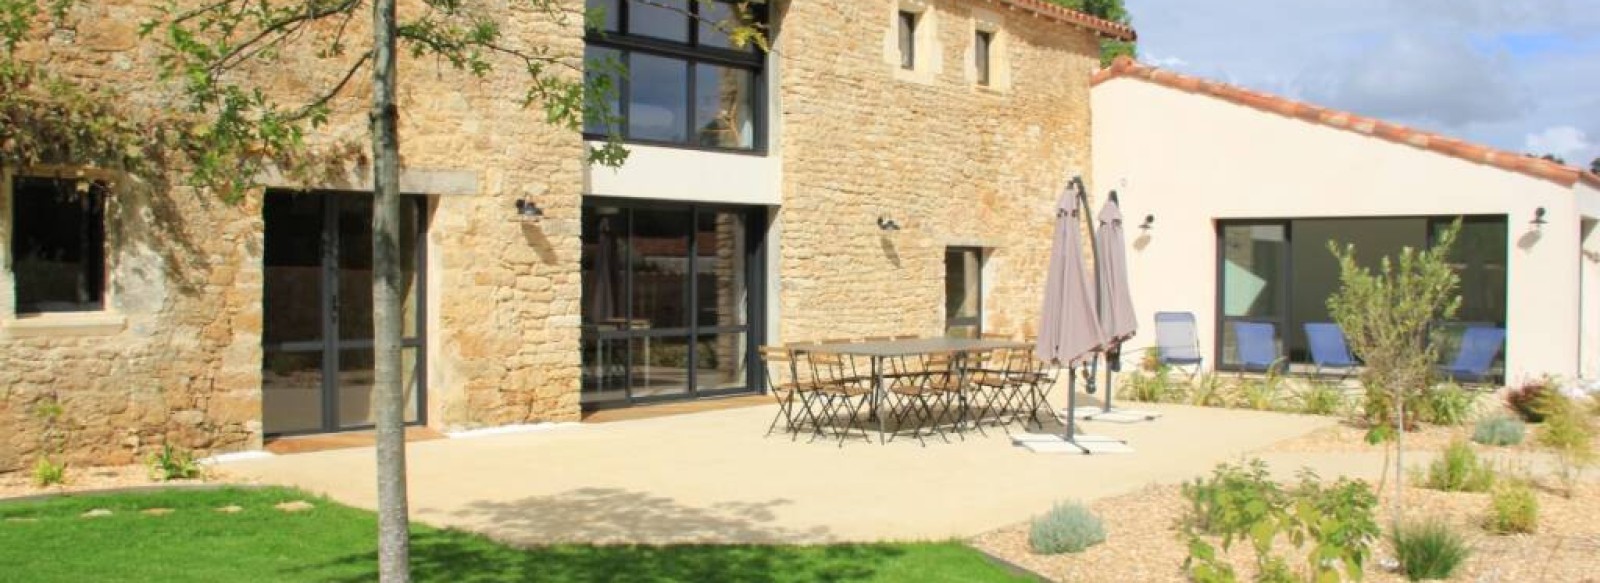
1067 528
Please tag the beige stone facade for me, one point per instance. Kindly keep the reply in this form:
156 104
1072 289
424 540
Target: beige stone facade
176 357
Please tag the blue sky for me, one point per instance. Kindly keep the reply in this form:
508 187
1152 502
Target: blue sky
1522 75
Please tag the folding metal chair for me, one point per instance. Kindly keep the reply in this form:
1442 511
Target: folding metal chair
840 391
792 395
1178 341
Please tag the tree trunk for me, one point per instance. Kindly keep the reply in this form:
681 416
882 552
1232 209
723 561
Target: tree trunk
394 545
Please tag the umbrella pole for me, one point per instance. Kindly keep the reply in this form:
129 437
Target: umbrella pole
1072 406
1110 370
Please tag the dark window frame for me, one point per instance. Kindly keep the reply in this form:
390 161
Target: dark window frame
695 54
757 219
1287 321
974 321
983 55
906 24
94 276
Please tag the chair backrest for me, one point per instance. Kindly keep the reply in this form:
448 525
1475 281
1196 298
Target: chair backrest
1257 343
1479 347
779 365
1327 343
1177 336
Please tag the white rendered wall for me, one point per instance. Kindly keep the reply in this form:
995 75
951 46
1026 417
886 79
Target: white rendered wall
1191 160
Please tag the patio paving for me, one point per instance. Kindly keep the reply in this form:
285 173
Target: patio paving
712 477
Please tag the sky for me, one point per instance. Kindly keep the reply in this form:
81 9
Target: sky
1522 75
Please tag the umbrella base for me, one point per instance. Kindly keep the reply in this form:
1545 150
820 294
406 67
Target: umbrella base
1114 415
1082 444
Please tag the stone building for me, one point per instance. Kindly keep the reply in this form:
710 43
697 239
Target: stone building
888 168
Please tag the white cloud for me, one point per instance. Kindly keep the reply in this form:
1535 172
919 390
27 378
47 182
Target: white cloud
1489 71
1431 78
1565 141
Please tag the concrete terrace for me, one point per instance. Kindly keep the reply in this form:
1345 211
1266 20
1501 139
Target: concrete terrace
712 477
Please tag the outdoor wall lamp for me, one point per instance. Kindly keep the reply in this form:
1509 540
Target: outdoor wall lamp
528 211
1149 221
1538 217
888 224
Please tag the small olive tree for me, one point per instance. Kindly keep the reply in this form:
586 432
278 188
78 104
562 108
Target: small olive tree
1386 316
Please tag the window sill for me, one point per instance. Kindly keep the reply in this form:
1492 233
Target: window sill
63 324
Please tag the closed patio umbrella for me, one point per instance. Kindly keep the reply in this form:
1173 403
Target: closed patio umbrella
1111 272
1069 328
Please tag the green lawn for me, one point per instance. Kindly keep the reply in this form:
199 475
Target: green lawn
49 541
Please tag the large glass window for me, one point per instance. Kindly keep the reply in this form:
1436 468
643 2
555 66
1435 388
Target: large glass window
666 301
58 235
1281 272
676 77
963 292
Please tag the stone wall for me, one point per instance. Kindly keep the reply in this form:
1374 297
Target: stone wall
176 357
951 162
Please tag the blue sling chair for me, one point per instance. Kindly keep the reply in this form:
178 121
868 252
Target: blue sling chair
1479 347
1328 349
1258 348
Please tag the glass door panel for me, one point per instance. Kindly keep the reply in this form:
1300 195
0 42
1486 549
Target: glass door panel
658 267
292 263
318 312
1254 281
666 302
660 367
963 292
291 391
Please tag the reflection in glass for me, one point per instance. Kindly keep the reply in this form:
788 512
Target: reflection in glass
660 367
1252 270
356 386
720 269
355 267
608 10
601 62
658 96
663 19
658 256
723 105
291 391
604 236
716 19
292 265
720 362
605 370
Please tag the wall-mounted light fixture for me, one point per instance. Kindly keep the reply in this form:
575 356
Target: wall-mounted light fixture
888 224
528 211
1538 217
1149 221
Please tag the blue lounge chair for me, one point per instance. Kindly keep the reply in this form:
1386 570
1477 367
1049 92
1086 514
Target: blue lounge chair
1328 348
1479 347
1178 341
1258 347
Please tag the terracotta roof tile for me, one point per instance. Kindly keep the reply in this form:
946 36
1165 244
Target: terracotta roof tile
1535 167
1099 25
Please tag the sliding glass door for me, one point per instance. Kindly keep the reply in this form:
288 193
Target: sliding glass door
1281 272
667 301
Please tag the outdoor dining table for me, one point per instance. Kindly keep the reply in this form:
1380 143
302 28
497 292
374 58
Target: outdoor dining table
878 351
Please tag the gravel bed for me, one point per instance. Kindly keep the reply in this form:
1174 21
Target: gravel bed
1143 540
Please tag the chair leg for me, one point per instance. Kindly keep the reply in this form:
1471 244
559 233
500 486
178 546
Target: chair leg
785 414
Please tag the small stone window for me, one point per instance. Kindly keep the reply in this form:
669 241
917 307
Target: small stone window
908 39
981 45
58 235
